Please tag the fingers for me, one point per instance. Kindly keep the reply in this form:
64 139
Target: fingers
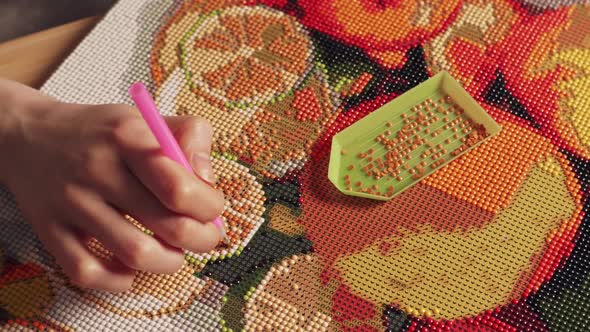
179 190
130 245
82 267
126 193
194 135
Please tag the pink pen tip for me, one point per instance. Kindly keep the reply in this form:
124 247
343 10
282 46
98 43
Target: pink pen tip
218 222
137 89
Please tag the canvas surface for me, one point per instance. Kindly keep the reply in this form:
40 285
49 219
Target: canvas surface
498 240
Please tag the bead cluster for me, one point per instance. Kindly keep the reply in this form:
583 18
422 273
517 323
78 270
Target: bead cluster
402 151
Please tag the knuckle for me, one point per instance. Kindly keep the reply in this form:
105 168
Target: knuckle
200 124
95 165
218 204
50 227
177 194
84 273
213 206
70 192
194 125
174 267
180 232
137 254
126 127
209 243
124 108
87 157
93 161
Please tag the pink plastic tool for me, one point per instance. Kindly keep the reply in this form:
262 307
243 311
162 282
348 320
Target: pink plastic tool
168 144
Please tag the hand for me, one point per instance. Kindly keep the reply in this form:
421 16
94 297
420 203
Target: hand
76 169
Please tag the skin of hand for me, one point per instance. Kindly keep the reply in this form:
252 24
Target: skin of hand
76 169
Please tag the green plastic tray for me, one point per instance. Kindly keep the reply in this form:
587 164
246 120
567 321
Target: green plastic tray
404 141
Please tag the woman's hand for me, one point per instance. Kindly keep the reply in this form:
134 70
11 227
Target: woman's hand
76 169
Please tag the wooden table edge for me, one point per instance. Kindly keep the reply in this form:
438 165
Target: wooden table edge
33 58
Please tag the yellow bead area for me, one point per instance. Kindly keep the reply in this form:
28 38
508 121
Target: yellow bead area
551 166
414 142
27 298
481 268
573 117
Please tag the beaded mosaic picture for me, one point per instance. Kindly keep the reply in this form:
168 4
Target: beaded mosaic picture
497 240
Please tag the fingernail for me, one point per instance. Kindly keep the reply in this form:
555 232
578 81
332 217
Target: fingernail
202 166
218 222
207 174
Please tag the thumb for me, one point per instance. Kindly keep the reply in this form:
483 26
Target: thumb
194 135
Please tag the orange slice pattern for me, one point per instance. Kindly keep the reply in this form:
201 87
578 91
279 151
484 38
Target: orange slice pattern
246 55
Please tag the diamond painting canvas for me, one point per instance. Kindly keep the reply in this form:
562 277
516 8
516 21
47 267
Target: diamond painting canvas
497 240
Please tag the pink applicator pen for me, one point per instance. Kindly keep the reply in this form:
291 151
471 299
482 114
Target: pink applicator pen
168 143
